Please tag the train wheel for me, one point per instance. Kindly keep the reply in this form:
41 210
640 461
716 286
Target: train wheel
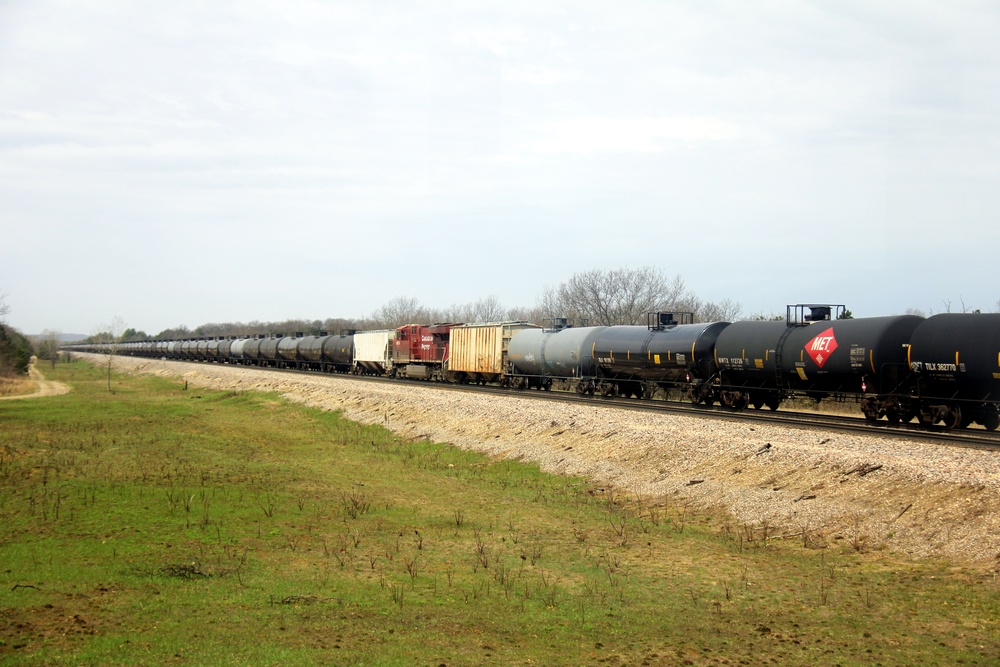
772 403
953 418
990 419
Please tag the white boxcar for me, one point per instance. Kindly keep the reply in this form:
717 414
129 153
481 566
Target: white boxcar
478 352
373 351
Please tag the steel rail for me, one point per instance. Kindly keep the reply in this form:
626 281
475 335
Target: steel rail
967 438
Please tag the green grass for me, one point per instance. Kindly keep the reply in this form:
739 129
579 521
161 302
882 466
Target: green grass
156 525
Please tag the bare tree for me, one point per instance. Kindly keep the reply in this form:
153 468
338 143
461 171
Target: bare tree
547 307
726 310
968 309
5 308
48 346
399 311
488 309
110 338
620 296
964 308
524 314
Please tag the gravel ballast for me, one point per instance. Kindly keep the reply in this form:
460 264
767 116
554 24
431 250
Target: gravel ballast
826 488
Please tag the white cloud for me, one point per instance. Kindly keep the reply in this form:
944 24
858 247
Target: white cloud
538 76
500 42
630 135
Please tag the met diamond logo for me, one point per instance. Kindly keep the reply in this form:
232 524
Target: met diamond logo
821 347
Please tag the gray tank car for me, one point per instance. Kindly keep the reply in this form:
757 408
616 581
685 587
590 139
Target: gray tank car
327 352
539 357
268 354
287 351
224 350
311 350
236 350
251 350
338 352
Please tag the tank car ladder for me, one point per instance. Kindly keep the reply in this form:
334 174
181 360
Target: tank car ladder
778 348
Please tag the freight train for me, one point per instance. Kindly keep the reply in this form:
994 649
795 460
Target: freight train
944 369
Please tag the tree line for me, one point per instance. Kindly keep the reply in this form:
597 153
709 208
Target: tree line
15 349
597 297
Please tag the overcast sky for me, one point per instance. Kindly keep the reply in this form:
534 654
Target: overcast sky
177 162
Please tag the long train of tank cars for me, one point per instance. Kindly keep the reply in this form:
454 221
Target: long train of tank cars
944 369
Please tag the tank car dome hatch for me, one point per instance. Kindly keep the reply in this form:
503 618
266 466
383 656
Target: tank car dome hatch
807 313
659 320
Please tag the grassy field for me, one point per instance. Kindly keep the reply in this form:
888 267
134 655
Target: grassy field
156 525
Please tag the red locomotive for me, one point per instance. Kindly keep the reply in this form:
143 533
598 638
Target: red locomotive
421 351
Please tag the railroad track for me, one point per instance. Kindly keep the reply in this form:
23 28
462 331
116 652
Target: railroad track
975 438
972 438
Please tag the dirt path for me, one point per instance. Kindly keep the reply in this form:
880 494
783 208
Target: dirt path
45 387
